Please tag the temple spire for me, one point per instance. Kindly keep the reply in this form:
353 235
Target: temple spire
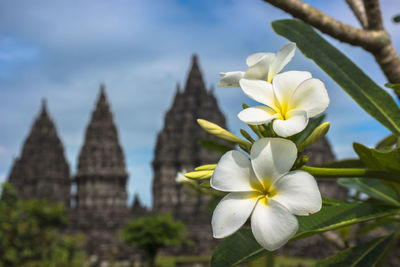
178 147
195 59
101 152
138 209
101 174
102 100
194 83
101 199
42 170
43 111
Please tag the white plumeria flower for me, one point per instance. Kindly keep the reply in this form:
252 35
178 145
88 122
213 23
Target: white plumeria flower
263 187
291 99
262 66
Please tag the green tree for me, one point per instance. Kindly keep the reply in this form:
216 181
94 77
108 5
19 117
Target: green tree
29 234
152 233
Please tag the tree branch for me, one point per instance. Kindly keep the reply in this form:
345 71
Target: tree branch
374 15
368 39
373 39
357 6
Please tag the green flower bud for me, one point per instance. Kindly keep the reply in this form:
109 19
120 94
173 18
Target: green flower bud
316 135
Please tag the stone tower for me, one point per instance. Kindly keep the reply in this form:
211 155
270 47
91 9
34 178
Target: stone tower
101 177
177 149
101 200
138 209
42 171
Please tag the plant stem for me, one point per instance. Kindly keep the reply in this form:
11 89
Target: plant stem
351 172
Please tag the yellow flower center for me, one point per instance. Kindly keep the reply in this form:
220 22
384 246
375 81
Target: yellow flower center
264 191
282 109
281 115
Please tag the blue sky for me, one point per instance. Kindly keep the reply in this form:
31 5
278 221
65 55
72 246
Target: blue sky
63 50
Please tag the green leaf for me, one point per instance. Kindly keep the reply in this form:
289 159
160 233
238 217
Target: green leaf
314 123
379 160
241 246
373 188
214 146
237 248
333 217
396 19
394 86
332 202
364 255
372 98
387 142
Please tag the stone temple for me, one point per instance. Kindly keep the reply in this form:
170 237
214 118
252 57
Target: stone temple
42 170
101 199
99 207
177 149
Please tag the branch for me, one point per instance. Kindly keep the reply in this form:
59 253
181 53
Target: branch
350 172
368 39
373 39
357 6
374 15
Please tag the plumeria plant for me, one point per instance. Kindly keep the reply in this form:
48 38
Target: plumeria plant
262 185
267 180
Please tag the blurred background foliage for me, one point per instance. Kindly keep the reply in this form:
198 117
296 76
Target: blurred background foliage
30 234
152 233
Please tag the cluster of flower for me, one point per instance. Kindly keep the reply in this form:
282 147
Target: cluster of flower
263 186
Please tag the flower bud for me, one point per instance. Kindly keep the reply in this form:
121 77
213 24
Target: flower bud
220 132
205 184
316 135
199 175
208 167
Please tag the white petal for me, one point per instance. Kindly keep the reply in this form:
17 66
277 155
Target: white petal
259 67
260 91
282 58
232 212
298 192
272 224
257 115
230 79
296 121
285 84
233 173
311 96
256 57
272 157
